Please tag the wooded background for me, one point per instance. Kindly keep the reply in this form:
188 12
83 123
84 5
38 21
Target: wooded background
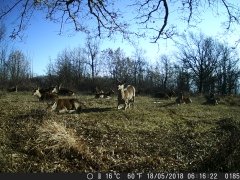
200 65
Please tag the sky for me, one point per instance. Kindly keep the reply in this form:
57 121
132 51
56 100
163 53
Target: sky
41 41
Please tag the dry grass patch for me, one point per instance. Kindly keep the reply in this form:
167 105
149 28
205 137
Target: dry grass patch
54 136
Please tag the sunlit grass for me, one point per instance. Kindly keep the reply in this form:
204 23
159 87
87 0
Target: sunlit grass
155 135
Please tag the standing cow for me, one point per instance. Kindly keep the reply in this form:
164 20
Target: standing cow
125 95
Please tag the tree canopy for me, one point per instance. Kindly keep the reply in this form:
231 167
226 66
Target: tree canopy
149 18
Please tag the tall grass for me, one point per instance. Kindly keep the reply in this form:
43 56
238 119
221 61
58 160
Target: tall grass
156 137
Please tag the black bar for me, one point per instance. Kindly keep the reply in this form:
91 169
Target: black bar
123 176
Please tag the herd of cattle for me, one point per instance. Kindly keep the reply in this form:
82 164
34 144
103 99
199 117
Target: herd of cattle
126 97
71 104
63 100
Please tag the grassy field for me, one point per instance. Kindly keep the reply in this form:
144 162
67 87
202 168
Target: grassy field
151 137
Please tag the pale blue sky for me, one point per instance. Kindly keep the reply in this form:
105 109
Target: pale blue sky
42 42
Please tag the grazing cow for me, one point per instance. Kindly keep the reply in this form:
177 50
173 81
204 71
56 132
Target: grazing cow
125 95
183 100
62 91
45 94
65 105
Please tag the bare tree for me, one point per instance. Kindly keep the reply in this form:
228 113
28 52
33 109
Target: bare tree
92 51
213 66
3 67
3 55
18 67
166 71
70 68
228 72
108 17
108 56
183 79
122 66
139 67
64 68
79 59
200 55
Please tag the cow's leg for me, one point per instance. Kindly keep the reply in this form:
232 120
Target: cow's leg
126 105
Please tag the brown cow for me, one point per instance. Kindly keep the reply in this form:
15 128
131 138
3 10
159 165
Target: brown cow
67 105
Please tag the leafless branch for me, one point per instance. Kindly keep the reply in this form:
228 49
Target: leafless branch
97 17
71 16
106 19
153 15
165 20
153 12
231 17
10 9
23 18
149 14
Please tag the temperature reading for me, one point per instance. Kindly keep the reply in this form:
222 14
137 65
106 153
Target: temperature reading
134 175
113 176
